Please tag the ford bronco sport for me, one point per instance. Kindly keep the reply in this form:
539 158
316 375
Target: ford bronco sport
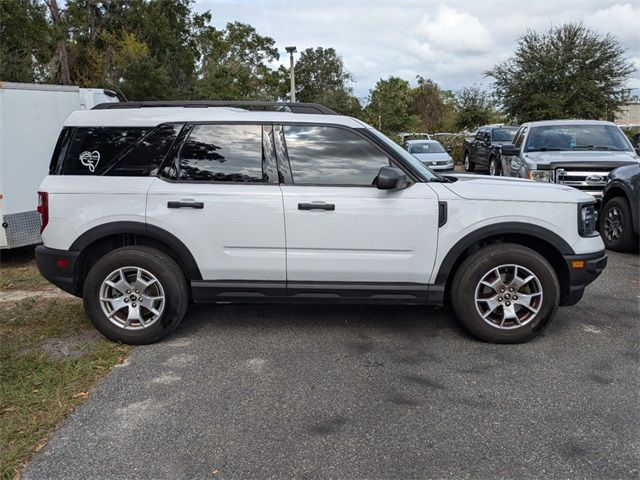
151 206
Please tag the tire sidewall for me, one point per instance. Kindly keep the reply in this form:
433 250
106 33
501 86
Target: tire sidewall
163 268
477 266
625 242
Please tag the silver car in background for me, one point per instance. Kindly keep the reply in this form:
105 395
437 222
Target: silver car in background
431 153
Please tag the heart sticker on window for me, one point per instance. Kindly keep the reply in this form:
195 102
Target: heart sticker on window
90 160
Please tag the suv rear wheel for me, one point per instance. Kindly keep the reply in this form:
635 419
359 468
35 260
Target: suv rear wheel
135 295
505 293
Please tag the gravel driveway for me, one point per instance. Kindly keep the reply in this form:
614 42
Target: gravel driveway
368 392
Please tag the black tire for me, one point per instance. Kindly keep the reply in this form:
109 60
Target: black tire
616 225
469 166
474 268
494 167
169 276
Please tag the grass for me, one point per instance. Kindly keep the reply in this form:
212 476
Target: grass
39 386
18 271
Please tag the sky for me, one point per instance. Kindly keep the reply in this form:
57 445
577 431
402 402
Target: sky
453 42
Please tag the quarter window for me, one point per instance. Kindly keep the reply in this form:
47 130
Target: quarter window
222 153
145 157
324 155
93 150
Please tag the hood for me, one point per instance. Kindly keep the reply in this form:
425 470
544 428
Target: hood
432 157
581 157
481 187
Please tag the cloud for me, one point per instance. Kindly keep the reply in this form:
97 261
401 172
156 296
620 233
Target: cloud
453 42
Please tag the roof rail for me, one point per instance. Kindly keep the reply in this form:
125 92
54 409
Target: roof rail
294 107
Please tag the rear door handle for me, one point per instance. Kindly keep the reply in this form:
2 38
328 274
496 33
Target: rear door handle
198 205
316 206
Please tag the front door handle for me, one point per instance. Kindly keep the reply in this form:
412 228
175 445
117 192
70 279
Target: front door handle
316 206
198 205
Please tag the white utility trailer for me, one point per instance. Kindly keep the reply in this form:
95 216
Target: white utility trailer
31 118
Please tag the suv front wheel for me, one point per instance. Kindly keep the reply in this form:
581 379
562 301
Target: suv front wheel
505 293
135 295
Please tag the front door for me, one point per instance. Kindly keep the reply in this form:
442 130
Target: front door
343 233
221 198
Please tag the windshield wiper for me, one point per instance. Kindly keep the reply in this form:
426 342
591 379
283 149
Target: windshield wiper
548 149
441 180
597 147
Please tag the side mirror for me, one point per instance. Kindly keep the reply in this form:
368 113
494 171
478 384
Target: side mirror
510 149
390 178
449 151
637 149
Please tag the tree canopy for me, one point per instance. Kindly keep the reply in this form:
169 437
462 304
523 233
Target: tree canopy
567 72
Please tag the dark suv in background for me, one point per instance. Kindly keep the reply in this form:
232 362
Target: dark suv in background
485 147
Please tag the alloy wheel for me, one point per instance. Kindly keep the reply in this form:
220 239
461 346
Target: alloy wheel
132 298
508 296
613 225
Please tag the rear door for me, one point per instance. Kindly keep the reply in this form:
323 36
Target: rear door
345 237
221 198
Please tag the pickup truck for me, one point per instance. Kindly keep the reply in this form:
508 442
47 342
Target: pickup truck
577 153
485 147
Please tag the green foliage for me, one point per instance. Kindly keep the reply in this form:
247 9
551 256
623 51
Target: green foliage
434 107
235 64
322 78
567 72
475 108
24 40
389 105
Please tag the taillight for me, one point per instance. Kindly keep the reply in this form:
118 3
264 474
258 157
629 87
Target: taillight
43 209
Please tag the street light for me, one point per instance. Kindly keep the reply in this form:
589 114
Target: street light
291 51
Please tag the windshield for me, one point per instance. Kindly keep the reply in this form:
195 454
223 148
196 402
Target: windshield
431 147
407 157
577 137
503 134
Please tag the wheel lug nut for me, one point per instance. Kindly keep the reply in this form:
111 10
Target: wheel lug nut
140 298
507 303
137 291
515 297
502 290
128 291
134 305
126 300
499 299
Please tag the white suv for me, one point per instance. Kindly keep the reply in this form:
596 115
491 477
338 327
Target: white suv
151 206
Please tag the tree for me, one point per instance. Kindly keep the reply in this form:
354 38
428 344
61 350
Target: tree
388 107
434 107
24 44
322 78
235 64
567 72
474 108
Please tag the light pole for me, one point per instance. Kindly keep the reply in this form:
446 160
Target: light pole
292 73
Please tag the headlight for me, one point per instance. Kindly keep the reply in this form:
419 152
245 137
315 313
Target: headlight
540 175
587 219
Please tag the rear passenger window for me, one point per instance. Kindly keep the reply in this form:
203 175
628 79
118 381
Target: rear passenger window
222 153
93 150
145 157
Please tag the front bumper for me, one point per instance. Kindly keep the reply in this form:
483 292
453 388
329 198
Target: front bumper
439 167
59 267
583 269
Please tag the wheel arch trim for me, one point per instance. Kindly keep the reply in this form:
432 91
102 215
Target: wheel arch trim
138 228
484 233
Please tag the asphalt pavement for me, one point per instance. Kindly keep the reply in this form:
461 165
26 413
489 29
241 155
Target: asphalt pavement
352 392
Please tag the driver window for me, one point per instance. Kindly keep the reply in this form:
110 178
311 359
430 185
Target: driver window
520 137
322 155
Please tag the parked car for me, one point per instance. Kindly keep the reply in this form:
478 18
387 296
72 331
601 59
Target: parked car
31 117
620 214
149 206
431 153
484 148
578 153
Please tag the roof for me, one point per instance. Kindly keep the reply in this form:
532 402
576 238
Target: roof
151 117
568 122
